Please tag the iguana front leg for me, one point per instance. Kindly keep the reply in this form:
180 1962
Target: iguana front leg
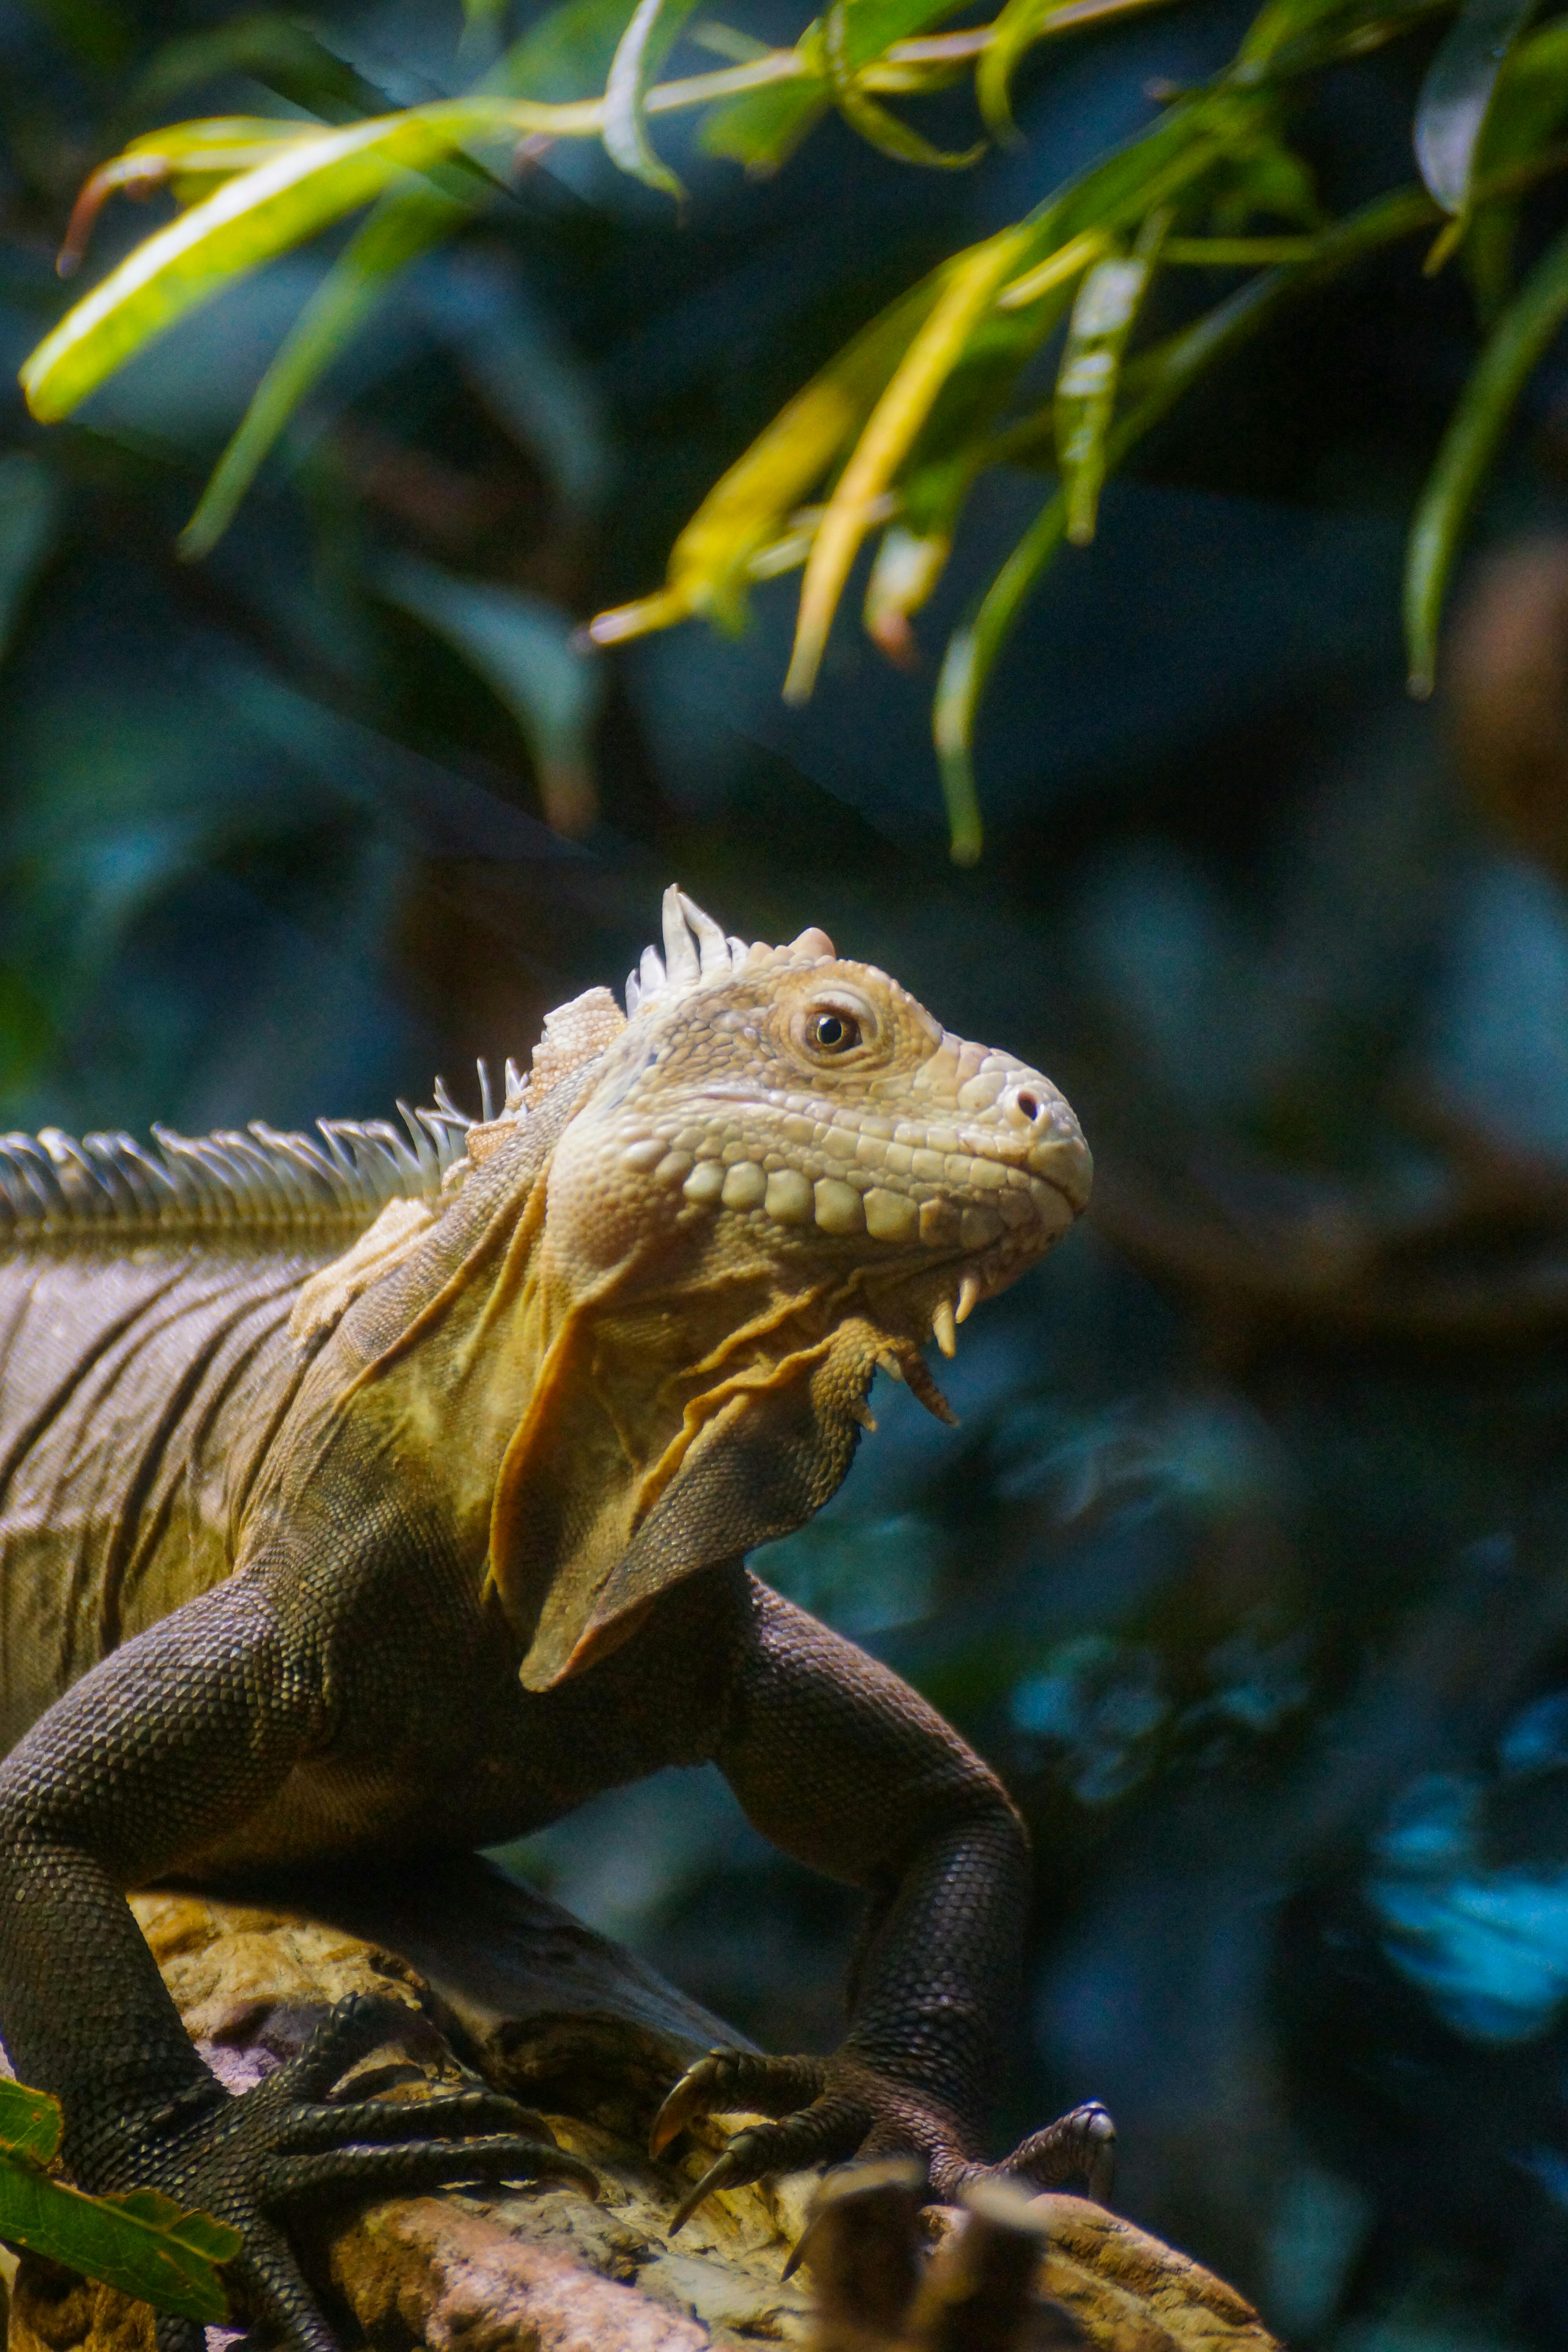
172 1742
845 1767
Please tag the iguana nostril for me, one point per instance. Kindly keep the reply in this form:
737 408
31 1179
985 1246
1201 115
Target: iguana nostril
1029 1107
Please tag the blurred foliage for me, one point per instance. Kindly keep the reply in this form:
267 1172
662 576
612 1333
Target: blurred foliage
1248 1563
943 384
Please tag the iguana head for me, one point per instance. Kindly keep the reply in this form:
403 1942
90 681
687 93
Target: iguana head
776 1172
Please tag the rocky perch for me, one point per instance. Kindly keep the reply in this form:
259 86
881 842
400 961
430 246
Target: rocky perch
500 1983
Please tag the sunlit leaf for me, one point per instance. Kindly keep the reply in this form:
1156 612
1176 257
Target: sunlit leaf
1451 112
1512 351
524 649
1107 303
247 221
643 46
748 507
964 379
190 156
969 286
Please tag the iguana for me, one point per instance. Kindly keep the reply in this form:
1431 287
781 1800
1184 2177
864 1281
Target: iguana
360 1494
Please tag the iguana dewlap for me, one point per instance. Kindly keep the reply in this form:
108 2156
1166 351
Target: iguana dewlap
357 1494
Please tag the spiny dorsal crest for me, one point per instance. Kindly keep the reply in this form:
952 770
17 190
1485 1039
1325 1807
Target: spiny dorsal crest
349 1171
698 954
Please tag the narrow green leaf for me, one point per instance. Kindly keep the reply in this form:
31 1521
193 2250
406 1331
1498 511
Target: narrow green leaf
30 2121
1528 109
401 228
878 127
747 509
142 2243
643 46
1451 112
1108 302
1515 346
1155 383
247 222
763 128
971 657
524 648
969 286
1019 26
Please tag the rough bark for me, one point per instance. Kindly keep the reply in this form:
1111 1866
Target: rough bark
498 1982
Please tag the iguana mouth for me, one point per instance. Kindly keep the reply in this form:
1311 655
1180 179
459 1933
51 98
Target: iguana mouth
942 1216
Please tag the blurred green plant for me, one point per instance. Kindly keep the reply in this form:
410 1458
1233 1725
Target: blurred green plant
892 435
141 2242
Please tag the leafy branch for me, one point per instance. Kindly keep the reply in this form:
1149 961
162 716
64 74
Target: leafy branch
889 438
141 2242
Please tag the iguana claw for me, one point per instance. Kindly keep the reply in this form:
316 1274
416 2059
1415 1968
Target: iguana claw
829 2109
254 2159
724 2170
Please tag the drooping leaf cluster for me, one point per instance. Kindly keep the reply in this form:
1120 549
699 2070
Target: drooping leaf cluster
889 439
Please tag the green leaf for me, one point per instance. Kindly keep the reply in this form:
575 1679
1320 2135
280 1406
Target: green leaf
1153 383
401 228
971 657
31 501
1451 112
763 128
1019 26
1107 303
746 509
30 2122
1515 346
878 127
142 2243
1527 111
247 222
970 284
643 46
525 650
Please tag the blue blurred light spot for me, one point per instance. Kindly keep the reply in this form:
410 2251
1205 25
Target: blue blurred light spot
1489 1948
1538 1737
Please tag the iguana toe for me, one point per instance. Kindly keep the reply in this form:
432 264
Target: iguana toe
826 2110
1082 2144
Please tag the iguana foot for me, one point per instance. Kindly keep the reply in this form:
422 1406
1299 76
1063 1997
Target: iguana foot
829 2109
253 2159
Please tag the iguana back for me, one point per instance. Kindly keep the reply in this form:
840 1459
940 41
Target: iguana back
146 1361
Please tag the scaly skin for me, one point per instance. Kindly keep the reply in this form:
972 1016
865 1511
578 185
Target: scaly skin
306 1552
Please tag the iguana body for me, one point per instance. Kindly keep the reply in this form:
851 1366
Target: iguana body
317 1540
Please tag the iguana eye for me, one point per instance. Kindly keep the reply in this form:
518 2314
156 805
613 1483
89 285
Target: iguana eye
831 1033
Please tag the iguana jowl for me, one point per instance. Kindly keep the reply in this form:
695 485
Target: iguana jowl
325 1531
